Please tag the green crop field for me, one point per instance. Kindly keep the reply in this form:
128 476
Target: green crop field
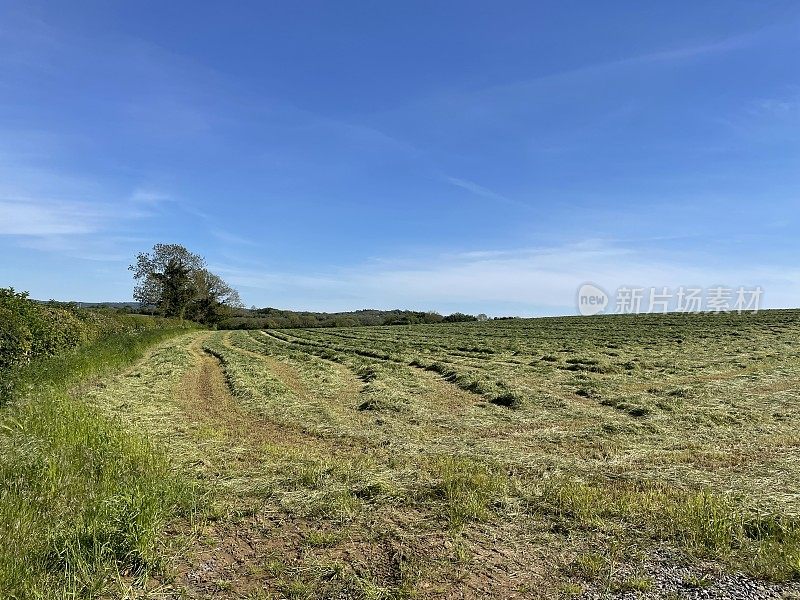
652 455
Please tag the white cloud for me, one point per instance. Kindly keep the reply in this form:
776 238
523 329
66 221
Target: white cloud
93 248
27 216
524 282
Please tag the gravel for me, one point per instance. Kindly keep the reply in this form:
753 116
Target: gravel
670 579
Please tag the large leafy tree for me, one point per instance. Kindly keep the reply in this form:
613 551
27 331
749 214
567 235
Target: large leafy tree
177 283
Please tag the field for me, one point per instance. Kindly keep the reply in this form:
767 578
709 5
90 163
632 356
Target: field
653 456
527 458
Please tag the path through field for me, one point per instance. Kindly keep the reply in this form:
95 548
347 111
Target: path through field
381 463
289 502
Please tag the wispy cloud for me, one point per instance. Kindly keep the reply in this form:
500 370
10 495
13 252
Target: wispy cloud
47 217
766 120
483 103
784 108
85 221
692 50
150 197
231 238
42 216
663 56
483 192
111 249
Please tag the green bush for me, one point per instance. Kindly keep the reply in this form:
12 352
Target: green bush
31 329
16 340
54 330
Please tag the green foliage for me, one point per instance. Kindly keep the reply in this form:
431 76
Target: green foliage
16 341
459 318
29 330
54 329
176 289
161 275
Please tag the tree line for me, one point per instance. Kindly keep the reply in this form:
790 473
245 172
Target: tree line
274 318
173 282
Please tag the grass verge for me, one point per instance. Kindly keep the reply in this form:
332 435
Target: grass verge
82 500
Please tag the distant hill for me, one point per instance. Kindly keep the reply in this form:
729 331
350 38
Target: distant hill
132 306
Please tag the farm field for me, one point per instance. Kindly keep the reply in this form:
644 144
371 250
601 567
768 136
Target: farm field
563 457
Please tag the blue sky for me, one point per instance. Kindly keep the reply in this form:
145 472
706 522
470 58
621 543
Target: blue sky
474 156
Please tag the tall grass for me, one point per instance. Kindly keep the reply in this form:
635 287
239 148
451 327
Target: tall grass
82 500
468 489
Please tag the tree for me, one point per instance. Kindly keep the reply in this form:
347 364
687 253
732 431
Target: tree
177 288
177 284
213 298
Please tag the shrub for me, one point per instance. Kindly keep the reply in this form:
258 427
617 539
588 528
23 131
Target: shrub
31 329
15 339
458 317
54 330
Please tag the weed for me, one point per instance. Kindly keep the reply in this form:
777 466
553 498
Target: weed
633 584
589 566
698 582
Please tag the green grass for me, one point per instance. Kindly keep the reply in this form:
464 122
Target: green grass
82 500
589 566
633 584
704 524
657 426
469 490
